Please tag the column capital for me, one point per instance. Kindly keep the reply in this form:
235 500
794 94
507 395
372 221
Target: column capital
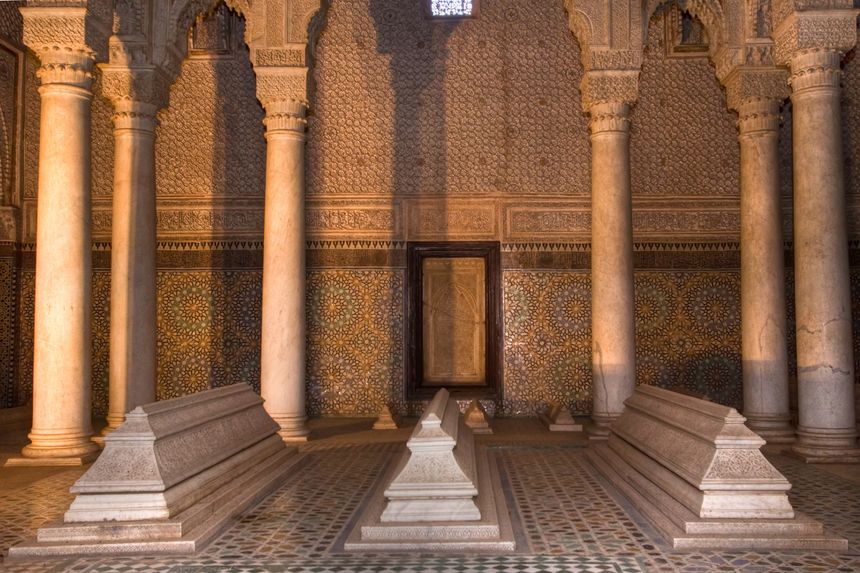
604 86
65 36
283 92
609 116
799 31
287 117
142 84
817 68
62 65
746 84
757 116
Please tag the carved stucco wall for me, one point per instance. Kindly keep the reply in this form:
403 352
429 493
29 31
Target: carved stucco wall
851 133
10 33
210 150
683 140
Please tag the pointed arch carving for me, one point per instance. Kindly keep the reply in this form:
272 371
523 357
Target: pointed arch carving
709 12
181 17
580 23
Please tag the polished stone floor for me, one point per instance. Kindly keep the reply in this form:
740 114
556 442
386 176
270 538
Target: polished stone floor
567 518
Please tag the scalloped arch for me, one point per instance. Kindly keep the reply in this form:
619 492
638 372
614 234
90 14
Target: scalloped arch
709 12
182 15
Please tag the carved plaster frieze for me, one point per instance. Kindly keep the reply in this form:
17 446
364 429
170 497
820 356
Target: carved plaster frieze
192 221
614 60
430 220
651 220
806 31
364 220
128 50
293 55
603 86
782 9
8 224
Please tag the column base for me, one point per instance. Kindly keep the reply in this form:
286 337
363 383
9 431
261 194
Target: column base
293 428
826 446
56 449
100 437
70 461
598 429
774 429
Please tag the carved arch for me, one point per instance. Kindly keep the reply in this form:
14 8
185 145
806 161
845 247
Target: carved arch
182 15
709 12
579 22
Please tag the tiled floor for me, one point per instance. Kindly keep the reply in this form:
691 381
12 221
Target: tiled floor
569 519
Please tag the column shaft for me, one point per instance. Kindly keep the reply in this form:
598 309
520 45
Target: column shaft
613 345
282 368
133 254
764 344
62 427
825 362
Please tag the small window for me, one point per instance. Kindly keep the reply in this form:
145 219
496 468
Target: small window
452 8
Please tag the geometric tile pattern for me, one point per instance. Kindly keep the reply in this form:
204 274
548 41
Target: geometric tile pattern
687 334
569 518
8 296
547 340
208 330
26 319
354 341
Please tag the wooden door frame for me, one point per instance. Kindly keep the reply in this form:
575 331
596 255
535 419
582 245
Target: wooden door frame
416 252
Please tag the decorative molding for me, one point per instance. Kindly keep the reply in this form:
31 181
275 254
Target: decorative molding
813 69
609 116
452 220
355 220
190 220
285 117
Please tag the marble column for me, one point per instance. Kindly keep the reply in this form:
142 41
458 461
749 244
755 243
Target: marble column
133 252
764 343
825 363
282 356
613 347
62 428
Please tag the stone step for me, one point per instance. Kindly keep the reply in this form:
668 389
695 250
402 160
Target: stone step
184 534
684 530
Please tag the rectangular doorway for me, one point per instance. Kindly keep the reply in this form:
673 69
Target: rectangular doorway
453 319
